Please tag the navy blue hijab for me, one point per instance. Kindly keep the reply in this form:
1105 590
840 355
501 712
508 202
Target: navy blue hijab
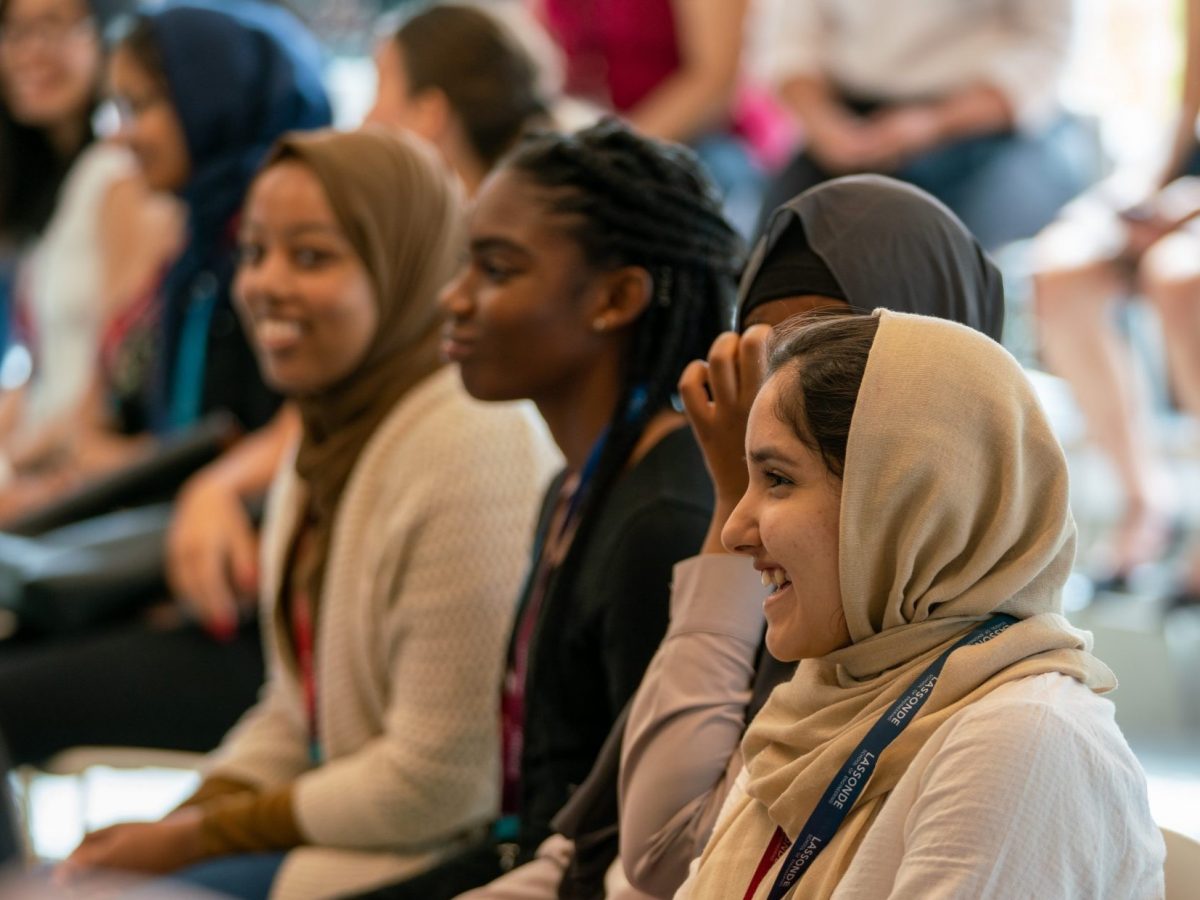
239 75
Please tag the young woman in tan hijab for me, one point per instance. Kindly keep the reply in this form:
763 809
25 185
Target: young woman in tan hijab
392 547
905 490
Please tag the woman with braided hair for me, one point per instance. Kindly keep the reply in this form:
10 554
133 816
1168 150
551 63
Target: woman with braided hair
600 266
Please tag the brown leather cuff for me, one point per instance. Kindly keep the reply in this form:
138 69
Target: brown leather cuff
213 787
251 822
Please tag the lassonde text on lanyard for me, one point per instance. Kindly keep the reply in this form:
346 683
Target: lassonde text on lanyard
850 781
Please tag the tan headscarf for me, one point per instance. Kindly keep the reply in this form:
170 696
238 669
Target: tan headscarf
954 508
402 213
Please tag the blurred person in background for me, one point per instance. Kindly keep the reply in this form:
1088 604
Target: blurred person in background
674 70
58 184
457 76
180 354
960 99
1087 264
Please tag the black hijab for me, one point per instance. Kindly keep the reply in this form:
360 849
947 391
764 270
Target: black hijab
886 244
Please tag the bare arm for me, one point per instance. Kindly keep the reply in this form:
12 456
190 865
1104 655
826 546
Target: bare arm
212 547
700 94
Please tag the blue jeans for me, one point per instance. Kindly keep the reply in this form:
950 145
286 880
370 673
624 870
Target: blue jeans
1004 187
736 175
247 876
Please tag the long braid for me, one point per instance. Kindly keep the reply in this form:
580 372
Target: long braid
641 202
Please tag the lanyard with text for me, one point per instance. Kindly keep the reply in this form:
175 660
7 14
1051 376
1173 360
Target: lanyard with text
852 778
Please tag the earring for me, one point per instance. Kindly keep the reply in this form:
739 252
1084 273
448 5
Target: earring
662 292
599 323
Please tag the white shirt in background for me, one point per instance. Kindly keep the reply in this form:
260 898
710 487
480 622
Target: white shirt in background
889 50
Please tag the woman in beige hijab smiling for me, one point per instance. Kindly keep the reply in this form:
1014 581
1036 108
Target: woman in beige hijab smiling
943 735
392 546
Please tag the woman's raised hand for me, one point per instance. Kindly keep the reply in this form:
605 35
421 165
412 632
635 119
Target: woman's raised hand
717 395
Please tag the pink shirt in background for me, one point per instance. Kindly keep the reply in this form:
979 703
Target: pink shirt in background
619 51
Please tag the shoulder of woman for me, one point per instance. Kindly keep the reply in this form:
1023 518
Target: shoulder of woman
440 441
1034 724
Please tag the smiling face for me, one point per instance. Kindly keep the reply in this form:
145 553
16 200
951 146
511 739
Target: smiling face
521 314
49 61
303 293
788 521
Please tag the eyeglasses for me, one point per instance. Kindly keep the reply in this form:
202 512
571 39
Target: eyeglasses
129 109
45 32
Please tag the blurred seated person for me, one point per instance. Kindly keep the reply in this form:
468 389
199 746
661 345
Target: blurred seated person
457 76
180 354
674 70
73 276
1097 254
957 98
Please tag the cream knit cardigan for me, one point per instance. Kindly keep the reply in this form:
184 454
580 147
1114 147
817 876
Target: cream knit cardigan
429 546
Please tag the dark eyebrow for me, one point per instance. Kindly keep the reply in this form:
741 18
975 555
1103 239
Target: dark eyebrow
503 245
763 455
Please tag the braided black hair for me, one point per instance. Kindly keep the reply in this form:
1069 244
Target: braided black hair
641 202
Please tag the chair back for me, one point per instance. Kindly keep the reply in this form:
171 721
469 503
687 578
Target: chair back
1183 865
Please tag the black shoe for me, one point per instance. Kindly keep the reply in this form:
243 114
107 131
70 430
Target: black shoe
1120 581
1183 598
1116 583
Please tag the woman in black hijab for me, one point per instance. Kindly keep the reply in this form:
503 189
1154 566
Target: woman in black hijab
860 242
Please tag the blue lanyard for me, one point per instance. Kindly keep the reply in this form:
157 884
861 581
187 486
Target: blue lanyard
187 381
851 780
585 475
637 402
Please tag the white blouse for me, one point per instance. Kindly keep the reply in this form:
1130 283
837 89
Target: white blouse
1030 792
882 49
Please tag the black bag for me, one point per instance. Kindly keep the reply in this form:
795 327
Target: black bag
151 480
98 554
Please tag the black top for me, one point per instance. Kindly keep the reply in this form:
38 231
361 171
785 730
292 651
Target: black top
593 640
10 840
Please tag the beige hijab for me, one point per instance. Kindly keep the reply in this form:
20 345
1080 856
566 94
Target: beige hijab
402 213
954 508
